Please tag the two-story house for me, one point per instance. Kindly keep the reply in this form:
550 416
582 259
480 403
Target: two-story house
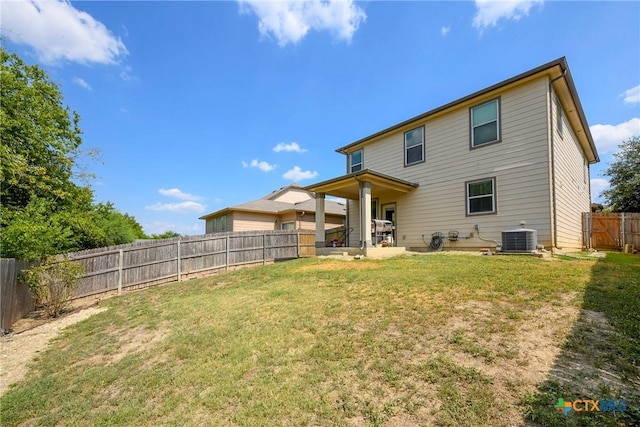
510 156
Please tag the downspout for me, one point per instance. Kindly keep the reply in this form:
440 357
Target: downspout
553 162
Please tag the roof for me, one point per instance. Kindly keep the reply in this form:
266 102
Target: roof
348 186
266 204
559 75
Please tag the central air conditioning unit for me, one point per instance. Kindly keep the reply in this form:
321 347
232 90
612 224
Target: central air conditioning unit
521 240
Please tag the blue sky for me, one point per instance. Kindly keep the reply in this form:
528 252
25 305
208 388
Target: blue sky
196 106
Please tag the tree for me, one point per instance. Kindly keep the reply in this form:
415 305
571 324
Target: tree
166 235
40 136
44 209
118 228
624 194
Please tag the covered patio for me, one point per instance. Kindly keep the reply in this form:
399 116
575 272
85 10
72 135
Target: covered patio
360 186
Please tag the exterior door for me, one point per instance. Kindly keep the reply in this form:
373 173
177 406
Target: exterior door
389 214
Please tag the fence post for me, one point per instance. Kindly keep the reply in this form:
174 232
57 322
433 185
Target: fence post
623 229
178 269
298 244
226 255
264 248
120 264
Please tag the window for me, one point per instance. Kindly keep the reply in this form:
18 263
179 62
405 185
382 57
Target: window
355 161
481 197
214 225
414 146
485 123
289 225
223 223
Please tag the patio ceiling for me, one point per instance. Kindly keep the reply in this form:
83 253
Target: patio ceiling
347 186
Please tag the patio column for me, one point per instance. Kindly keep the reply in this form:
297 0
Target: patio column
365 214
320 237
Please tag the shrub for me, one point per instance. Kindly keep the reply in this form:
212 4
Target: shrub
52 283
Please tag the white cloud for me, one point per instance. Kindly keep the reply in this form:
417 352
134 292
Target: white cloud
597 186
445 30
182 207
82 83
296 174
260 164
632 96
608 137
290 21
289 147
175 192
489 12
58 31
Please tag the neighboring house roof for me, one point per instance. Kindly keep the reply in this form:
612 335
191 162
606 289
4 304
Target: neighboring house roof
267 204
559 75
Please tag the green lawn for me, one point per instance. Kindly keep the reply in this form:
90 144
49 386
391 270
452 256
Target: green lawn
415 340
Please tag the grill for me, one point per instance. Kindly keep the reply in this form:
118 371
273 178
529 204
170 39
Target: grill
381 231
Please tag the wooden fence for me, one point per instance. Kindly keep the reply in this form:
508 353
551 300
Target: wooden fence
611 231
15 299
142 264
122 268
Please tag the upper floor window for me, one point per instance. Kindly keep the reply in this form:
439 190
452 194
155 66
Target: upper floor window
485 123
481 197
223 223
214 225
355 161
414 146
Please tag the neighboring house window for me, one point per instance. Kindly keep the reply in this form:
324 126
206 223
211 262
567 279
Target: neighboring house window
223 223
481 196
355 161
214 225
559 117
414 146
290 225
485 123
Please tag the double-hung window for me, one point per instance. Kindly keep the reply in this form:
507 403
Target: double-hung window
355 161
414 146
485 123
481 196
